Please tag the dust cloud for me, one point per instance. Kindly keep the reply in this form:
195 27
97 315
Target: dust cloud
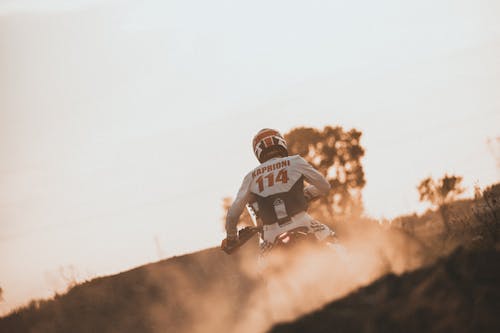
240 293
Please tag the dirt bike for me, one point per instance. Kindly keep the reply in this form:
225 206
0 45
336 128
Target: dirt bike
288 239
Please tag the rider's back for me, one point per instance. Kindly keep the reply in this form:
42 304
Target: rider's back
278 187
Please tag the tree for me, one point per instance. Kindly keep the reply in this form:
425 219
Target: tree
440 193
337 154
1 294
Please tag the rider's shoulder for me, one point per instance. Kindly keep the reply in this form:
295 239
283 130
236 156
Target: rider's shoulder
249 175
297 158
294 159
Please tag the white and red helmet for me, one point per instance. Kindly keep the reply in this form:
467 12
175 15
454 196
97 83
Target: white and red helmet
268 140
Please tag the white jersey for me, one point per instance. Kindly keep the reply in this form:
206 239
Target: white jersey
278 187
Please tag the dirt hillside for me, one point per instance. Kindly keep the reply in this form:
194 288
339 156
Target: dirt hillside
457 294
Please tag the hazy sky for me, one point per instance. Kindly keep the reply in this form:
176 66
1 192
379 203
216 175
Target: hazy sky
122 122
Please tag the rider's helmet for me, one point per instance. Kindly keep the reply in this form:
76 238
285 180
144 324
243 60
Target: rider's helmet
268 143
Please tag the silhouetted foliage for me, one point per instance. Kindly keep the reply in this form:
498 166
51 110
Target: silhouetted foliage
1 294
491 195
337 154
441 192
487 209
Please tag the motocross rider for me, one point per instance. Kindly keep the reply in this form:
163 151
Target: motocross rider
277 186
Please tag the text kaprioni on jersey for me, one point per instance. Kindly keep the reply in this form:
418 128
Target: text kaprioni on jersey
270 167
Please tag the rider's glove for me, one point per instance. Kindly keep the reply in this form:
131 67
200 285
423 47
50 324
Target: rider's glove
229 243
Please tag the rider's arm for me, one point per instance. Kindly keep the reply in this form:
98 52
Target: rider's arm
234 212
319 186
